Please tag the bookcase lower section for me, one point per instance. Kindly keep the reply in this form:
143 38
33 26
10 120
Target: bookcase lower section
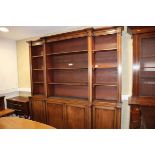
68 113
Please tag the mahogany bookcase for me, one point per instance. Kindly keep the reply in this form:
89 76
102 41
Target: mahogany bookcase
142 102
76 79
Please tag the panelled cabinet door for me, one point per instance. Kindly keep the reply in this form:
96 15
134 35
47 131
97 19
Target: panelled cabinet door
38 110
103 117
77 117
55 115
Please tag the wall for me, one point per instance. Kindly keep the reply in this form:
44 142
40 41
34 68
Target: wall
23 65
8 66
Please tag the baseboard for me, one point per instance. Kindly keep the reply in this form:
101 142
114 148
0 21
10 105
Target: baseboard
5 91
24 89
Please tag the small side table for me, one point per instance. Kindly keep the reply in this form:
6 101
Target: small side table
20 104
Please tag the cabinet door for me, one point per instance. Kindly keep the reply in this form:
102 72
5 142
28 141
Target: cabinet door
37 109
77 117
103 117
55 115
135 117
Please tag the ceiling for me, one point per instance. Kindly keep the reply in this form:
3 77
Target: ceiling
28 32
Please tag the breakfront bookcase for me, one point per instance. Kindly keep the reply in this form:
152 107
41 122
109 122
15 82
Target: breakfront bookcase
142 102
76 79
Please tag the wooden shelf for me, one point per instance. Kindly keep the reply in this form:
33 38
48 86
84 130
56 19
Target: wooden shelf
38 82
66 68
37 69
146 67
74 84
148 82
149 56
106 65
147 77
105 84
69 97
104 100
37 56
105 50
71 52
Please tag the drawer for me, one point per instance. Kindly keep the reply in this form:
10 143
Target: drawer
19 112
16 106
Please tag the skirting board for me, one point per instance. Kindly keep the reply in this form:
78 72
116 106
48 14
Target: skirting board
24 89
5 91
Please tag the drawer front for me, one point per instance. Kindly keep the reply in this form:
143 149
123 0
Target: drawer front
20 109
15 105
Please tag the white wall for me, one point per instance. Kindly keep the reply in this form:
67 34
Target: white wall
8 66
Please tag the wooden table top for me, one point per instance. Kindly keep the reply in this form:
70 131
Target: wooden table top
6 112
21 123
21 99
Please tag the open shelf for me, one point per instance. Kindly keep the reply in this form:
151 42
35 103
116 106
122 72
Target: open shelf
66 68
37 50
105 84
67 76
105 42
68 46
71 52
72 84
38 82
104 65
37 63
105 93
105 50
38 56
38 89
38 69
77 91
105 75
105 60
79 60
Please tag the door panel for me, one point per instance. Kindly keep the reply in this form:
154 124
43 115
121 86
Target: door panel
55 115
38 109
103 117
75 117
